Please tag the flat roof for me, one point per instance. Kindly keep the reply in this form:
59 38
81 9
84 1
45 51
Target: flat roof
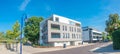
67 18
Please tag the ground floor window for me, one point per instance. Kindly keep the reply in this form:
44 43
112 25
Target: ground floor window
55 35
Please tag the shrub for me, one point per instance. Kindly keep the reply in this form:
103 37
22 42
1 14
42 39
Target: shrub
116 40
109 38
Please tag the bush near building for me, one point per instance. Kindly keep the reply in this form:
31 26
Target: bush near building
116 39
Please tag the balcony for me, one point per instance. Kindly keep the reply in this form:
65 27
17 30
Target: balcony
55 27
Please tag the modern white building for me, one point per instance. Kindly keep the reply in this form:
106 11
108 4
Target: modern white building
91 34
59 31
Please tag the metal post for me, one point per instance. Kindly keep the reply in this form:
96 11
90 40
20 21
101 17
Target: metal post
24 16
21 35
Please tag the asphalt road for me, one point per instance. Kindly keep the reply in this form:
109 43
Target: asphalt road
79 50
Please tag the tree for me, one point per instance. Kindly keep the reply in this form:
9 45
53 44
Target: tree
31 30
9 39
1 36
104 36
112 23
13 35
16 33
16 30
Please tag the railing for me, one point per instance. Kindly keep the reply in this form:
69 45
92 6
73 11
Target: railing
55 28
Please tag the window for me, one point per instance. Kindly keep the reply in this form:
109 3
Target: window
63 35
63 27
56 19
75 29
78 30
77 35
72 36
55 35
71 23
68 35
70 28
55 26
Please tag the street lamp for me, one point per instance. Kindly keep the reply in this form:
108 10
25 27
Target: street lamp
24 17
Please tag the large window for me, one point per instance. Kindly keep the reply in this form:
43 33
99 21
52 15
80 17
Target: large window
68 35
77 24
55 26
55 35
72 36
78 30
65 28
63 35
75 29
72 29
56 19
69 28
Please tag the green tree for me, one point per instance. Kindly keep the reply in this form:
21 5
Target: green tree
9 35
31 30
104 36
16 30
1 36
12 36
16 33
112 23
9 39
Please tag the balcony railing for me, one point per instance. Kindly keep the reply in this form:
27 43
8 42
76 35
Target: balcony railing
55 28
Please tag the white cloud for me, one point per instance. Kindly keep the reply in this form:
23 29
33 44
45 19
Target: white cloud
24 5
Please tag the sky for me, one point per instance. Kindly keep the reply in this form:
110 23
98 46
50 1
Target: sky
91 13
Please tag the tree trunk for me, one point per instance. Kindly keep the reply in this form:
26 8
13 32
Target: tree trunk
16 46
9 46
12 46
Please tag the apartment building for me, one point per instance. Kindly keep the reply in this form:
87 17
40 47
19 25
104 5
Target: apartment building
91 34
58 30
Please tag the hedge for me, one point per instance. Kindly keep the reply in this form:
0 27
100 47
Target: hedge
116 39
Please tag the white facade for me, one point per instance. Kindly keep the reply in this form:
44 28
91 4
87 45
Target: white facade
65 28
85 36
64 19
91 34
61 43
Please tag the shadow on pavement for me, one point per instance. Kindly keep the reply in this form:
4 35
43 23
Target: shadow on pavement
108 49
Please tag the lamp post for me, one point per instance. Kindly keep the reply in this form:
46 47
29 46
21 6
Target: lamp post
24 16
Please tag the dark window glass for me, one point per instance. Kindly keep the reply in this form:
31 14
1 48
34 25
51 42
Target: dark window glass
57 19
55 35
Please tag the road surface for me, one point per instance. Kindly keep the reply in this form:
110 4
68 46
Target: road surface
79 50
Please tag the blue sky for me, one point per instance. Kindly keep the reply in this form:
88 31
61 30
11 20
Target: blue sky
89 12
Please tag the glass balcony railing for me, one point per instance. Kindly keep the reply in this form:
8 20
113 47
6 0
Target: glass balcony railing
55 28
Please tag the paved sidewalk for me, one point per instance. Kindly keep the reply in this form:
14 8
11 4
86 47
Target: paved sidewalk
31 50
3 50
106 49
